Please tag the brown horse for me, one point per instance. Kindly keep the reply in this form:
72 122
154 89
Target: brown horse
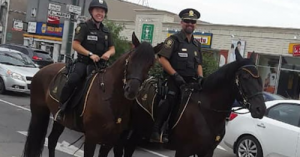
106 113
199 126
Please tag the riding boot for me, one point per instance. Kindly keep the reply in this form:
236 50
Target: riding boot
162 114
65 94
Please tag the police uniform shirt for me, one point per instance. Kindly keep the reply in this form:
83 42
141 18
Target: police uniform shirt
171 45
92 38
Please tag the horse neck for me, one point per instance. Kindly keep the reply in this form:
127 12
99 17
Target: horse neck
222 93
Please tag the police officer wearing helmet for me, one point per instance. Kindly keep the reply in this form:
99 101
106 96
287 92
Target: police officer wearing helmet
181 59
93 43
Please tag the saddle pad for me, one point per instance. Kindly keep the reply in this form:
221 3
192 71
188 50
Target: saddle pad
57 84
147 95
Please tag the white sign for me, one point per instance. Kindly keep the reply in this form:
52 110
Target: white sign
74 9
17 25
63 147
58 14
31 27
54 7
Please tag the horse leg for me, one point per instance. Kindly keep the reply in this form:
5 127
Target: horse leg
89 148
57 130
37 131
104 150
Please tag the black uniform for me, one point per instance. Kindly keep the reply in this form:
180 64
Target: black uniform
92 39
185 57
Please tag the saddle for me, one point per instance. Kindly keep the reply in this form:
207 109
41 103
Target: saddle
76 102
149 94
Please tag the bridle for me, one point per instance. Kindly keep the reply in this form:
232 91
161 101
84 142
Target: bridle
126 78
245 99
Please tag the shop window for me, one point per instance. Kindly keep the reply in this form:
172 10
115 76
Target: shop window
292 63
268 67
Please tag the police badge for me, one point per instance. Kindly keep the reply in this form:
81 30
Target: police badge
196 54
101 1
191 13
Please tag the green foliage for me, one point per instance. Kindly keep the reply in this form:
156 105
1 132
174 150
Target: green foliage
210 64
122 45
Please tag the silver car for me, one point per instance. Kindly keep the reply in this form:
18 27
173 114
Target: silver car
16 71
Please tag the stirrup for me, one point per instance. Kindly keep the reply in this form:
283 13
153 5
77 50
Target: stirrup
58 115
157 140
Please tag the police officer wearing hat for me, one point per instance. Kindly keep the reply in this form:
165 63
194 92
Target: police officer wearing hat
92 42
181 59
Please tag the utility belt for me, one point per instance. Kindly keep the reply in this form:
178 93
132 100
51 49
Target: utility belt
84 59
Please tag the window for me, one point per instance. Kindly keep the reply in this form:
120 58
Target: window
286 113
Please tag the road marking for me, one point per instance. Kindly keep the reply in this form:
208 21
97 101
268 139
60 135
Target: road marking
63 146
149 151
9 103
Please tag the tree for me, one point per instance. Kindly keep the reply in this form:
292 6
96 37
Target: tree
210 65
121 44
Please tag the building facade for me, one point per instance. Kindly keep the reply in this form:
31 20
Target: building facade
277 48
16 16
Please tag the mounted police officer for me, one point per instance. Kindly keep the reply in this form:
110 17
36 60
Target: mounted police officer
181 59
92 42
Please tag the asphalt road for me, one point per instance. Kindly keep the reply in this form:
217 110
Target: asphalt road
14 121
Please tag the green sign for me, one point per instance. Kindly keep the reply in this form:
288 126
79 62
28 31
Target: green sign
8 36
147 33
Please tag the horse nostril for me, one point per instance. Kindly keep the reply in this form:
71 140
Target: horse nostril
127 88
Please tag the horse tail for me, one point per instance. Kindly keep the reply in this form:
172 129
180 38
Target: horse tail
36 133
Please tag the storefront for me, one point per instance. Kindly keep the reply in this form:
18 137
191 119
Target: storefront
44 37
281 73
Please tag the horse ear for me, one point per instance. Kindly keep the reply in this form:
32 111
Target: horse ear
135 40
253 56
158 47
238 56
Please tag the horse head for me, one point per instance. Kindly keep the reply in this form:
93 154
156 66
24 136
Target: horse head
249 86
139 62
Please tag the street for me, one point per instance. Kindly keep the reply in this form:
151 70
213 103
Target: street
14 121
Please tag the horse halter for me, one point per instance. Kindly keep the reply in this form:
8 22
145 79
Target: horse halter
125 79
245 99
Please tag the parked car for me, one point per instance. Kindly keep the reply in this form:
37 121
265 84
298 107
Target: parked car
16 71
275 135
40 57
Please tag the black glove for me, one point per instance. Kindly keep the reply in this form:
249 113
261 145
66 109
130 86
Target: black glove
199 83
178 79
200 80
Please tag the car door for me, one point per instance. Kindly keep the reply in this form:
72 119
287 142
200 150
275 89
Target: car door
279 130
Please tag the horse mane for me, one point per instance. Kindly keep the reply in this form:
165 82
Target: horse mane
225 74
143 52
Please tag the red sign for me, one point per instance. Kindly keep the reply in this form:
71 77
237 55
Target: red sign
53 19
296 50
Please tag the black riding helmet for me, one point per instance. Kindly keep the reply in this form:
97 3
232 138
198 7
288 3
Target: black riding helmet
98 4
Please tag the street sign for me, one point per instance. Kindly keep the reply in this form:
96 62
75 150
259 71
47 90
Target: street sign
74 9
58 14
147 33
54 7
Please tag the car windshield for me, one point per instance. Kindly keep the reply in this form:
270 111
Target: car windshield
273 96
16 59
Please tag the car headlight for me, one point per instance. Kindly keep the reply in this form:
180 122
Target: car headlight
16 76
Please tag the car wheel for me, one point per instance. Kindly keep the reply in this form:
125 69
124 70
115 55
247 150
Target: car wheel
2 86
248 146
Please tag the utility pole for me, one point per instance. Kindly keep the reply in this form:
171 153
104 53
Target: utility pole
69 29
4 32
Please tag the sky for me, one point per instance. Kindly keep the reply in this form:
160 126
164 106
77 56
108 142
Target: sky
271 13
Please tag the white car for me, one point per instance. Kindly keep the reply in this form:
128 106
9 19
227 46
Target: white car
277 134
16 71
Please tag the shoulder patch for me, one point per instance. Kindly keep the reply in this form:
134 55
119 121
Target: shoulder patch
78 29
169 42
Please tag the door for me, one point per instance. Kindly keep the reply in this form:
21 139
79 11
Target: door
279 130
